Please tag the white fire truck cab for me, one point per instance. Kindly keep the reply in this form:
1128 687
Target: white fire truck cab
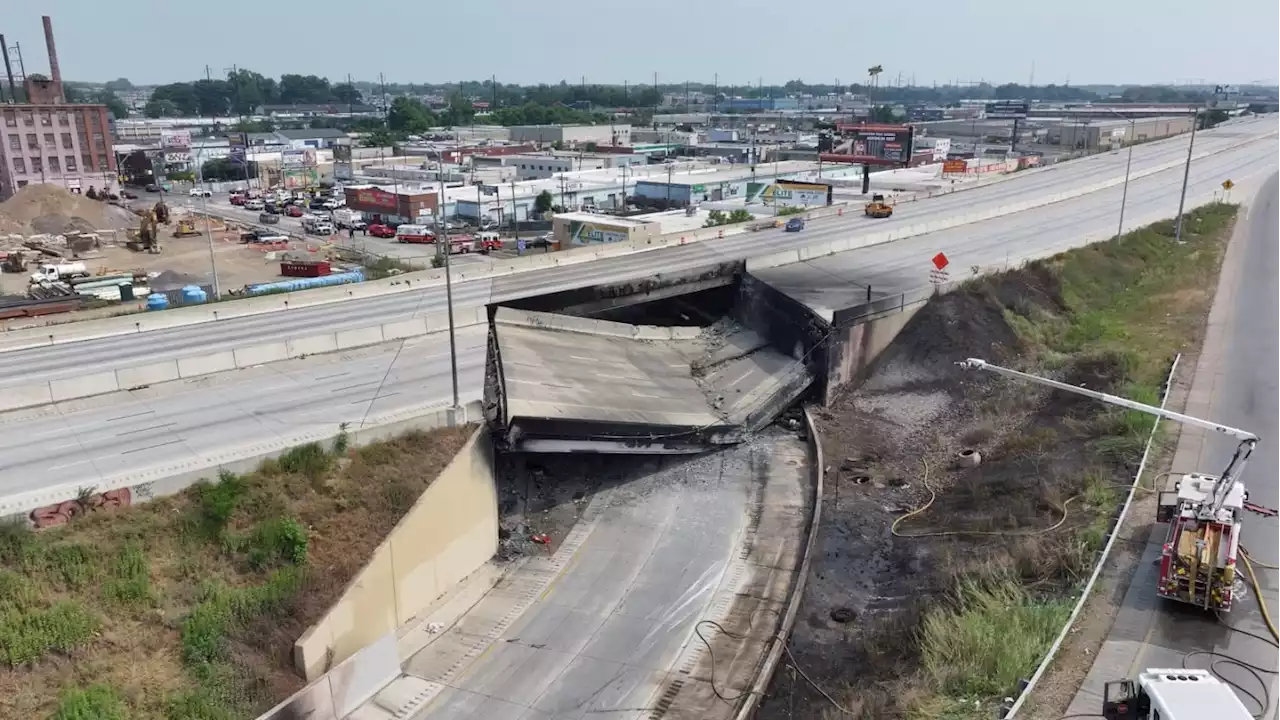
1174 694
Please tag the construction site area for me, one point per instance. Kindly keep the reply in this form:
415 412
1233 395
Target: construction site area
65 253
962 512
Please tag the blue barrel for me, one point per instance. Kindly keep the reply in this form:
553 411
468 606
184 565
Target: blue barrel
193 295
157 301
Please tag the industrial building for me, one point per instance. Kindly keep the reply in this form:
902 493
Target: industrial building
730 182
50 141
571 135
1101 134
403 204
539 166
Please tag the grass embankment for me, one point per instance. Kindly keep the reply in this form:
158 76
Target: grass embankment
186 607
1115 315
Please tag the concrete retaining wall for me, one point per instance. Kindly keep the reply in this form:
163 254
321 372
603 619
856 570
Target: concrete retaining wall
342 690
13 398
854 346
169 479
450 532
568 323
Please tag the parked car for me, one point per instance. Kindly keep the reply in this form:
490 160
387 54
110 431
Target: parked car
200 192
262 236
128 195
795 224
238 200
152 188
268 218
272 208
541 242
293 211
379 230
324 227
254 204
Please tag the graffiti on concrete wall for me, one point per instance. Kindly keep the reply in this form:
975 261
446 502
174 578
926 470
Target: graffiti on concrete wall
62 513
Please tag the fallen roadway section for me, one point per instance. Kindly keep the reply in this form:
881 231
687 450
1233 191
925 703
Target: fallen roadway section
564 384
366 313
663 602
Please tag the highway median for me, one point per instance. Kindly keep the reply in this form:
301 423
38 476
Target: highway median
999 497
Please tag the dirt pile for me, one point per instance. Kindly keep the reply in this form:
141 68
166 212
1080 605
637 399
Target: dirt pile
50 209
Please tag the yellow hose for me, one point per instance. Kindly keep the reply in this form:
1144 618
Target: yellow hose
1257 592
933 495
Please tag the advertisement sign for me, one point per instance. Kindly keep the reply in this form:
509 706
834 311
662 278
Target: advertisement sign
957 167
342 172
797 193
176 158
175 138
871 144
294 159
585 233
372 198
301 178
1007 109
489 189
342 153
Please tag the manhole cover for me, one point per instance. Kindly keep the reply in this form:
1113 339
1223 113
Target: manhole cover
843 615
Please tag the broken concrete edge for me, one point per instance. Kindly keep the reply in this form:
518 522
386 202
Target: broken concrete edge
172 479
1102 556
586 326
778 644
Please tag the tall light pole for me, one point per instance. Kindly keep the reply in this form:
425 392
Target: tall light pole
1124 194
1186 173
442 241
204 202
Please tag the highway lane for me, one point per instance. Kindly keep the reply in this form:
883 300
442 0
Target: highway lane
91 440
840 281
1047 231
38 364
1236 384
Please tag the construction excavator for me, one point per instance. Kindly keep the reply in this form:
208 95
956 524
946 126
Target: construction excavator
186 228
1205 513
878 208
160 213
146 238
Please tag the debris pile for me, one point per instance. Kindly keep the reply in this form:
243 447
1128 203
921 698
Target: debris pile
52 210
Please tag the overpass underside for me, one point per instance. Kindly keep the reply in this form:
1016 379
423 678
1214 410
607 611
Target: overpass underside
562 383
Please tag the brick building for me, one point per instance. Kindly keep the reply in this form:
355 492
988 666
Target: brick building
48 140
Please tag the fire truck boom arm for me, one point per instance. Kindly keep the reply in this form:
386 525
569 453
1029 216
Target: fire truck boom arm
1242 435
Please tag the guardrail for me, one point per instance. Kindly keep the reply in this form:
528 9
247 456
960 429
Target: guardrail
778 643
1102 557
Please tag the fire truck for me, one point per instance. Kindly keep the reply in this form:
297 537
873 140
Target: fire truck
1174 694
1204 512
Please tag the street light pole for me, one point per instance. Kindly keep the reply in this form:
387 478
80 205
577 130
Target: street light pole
1124 194
1186 173
208 231
442 241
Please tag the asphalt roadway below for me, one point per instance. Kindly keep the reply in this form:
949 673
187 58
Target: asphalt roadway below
69 360
92 439
1235 384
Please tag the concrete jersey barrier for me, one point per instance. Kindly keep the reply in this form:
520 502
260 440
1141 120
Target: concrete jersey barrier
139 376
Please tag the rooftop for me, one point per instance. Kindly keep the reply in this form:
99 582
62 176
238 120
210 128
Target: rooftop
321 133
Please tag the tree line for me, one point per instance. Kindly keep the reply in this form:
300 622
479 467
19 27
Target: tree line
242 92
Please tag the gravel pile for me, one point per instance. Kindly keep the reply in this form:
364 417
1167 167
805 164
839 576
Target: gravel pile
49 209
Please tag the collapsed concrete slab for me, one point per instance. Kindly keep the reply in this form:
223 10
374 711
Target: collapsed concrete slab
559 383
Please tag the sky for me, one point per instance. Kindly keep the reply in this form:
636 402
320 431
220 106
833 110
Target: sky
745 41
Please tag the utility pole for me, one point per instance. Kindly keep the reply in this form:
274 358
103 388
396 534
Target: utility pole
515 220
1186 173
442 242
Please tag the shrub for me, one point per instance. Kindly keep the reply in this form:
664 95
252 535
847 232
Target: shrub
96 702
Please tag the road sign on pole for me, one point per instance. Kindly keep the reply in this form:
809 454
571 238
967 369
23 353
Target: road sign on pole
1227 184
940 261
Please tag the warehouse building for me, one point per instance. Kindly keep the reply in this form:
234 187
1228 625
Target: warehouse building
572 135
1101 134
539 166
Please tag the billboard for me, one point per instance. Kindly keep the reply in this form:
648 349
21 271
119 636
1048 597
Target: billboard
342 153
372 197
589 233
786 192
950 167
1007 110
342 162
238 142
301 178
871 144
298 158
175 139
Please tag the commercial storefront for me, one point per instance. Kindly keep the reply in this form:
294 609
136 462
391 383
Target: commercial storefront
391 206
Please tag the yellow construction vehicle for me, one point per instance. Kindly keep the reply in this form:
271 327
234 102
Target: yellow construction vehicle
160 213
186 228
146 237
877 208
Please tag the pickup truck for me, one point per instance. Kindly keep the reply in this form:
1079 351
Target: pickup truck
262 236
